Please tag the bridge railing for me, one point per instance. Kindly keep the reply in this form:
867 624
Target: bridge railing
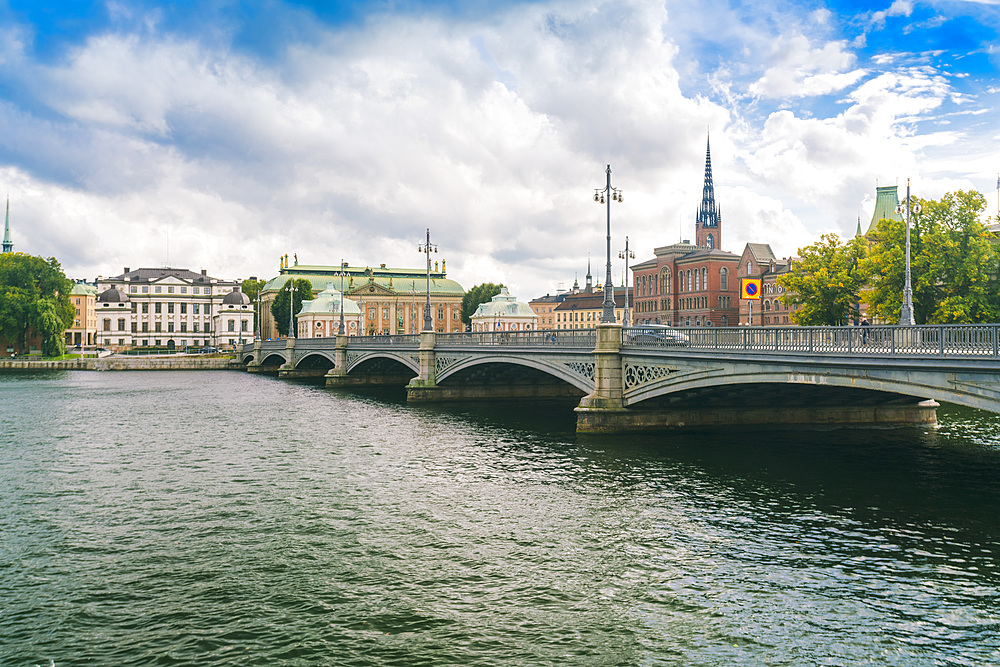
931 339
541 338
384 341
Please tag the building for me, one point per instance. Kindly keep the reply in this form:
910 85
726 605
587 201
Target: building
504 313
544 307
83 331
320 317
758 261
584 309
172 308
390 300
886 202
687 284
8 245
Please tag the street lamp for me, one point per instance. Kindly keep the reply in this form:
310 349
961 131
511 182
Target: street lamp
427 248
906 310
256 318
341 273
626 254
291 308
608 307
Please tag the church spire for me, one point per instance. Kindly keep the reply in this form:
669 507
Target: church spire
708 222
8 245
590 279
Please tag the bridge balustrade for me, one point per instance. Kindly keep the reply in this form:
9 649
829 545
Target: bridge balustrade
539 338
384 340
943 340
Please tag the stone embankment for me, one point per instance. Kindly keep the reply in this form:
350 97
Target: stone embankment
123 364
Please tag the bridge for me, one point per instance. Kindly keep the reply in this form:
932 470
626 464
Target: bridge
635 379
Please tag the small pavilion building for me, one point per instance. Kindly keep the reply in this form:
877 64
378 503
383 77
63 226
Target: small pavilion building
320 317
504 313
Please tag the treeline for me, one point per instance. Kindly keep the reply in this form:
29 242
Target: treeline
954 262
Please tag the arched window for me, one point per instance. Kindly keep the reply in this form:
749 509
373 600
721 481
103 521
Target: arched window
767 305
665 281
704 278
723 279
689 288
711 241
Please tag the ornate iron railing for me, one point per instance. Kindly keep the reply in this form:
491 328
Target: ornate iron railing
943 340
577 338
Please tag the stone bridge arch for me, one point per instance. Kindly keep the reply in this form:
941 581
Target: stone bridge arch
576 373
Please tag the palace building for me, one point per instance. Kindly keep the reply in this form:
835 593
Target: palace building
690 284
391 301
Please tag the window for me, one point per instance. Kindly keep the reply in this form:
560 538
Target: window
145 343
158 290
121 324
78 303
195 307
135 327
184 290
232 325
194 290
184 327
711 241
184 309
724 278
145 290
78 312
145 307
170 327
170 307
145 328
157 327
158 307
243 325
196 327
704 278
107 324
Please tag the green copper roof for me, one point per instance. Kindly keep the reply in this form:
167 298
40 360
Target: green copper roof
503 305
328 303
400 281
886 201
82 289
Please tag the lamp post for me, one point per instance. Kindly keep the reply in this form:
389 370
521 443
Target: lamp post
256 319
291 308
427 248
626 254
341 273
608 307
906 310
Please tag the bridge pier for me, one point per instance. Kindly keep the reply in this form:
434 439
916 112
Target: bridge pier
604 408
424 388
256 366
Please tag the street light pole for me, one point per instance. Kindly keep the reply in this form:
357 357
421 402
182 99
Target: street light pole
427 248
906 310
291 308
608 307
626 254
341 273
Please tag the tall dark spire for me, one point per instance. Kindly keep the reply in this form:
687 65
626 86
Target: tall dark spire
708 221
8 245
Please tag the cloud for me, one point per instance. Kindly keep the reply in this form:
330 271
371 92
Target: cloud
802 70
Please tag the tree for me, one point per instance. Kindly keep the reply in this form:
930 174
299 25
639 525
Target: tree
252 287
34 296
953 263
279 308
479 294
826 281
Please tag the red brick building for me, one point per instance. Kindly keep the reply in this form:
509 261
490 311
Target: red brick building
687 284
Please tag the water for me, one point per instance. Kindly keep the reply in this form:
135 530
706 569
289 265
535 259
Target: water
224 519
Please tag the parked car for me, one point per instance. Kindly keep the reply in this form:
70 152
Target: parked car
657 334
208 349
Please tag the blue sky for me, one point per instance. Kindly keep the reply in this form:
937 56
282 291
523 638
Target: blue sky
221 135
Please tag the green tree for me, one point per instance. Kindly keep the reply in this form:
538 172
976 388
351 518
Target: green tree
34 296
479 294
826 281
279 308
252 287
953 263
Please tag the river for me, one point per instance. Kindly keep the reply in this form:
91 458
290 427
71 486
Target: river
220 518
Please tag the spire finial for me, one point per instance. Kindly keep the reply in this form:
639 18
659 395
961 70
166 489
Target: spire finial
8 245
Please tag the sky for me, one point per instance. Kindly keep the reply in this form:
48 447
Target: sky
220 135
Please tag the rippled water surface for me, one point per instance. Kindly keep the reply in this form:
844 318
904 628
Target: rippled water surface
224 519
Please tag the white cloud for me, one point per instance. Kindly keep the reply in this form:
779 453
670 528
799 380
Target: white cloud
802 70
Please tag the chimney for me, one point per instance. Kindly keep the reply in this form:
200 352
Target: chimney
204 272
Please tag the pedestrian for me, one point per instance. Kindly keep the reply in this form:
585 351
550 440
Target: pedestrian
864 332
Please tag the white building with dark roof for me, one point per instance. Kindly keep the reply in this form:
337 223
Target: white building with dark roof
172 308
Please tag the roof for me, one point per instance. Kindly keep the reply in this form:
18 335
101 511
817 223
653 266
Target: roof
761 252
328 303
113 295
357 281
83 289
503 305
149 275
236 297
593 301
886 201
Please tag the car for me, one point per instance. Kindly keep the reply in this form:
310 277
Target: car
656 334
208 349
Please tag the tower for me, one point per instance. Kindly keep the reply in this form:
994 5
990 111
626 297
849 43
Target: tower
590 278
8 245
708 221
